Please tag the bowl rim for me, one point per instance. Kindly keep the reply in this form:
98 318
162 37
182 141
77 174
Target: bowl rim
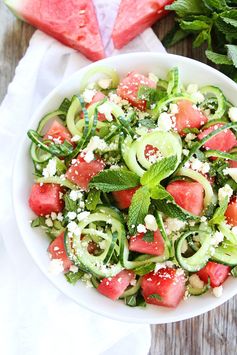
81 302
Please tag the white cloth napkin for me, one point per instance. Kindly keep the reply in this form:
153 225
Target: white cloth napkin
35 318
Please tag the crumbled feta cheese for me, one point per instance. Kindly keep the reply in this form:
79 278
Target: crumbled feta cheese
83 215
217 291
232 172
195 281
75 195
232 113
198 97
89 156
205 168
174 225
102 244
57 140
87 279
189 137
60 217
196 164
133 282
115 98
53 216
185 152
163 265
75 138
50 169
106 109
73 228
224 192
164 122
71 215
88 95
217 238
150 222
104 83
203 219
73 268
49 222
192 88
56 266
141 228
174 108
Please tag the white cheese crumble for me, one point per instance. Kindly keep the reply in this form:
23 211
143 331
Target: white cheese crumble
217 291
185 152
88 156
196 164
173 225
174 108
164 122
53 216
71 215
195 281
50 169
141 228
56 266
88 95
60 217
75 138
198 97
150 222
232 113
190 137
87 279
224 192
163 265
49 222
75 195
217 238
192 88
104 83
73 268
83 215
102 244
73 228
106 109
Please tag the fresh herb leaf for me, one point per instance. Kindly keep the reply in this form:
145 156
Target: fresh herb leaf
151 95
201 38
148 237
37 222
131 301
159 171
191 130
218 58
234 271
186 7
232 53
215 5
115 180
93 199
171 209
139 208
70 205
73 277
210 210
156 296
174 36
195 25
159 193
219 215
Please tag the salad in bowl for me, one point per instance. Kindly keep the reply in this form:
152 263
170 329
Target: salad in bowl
135 187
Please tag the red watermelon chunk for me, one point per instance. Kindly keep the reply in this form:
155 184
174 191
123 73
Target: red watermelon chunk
223 141
114 287
96 98
45 199
188 117
217 273
81 172
164 288
134 17
129 86
58 133
72 22
57 251
124 198
155 247
188 195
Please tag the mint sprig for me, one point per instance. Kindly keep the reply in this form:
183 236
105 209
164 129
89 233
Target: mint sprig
159 171
139 208
115 180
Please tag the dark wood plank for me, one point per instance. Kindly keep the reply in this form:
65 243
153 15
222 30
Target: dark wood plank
211 334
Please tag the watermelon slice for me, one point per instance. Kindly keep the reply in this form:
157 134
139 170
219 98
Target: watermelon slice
72 22
134 17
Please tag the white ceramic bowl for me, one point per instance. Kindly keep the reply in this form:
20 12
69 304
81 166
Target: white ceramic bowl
36 243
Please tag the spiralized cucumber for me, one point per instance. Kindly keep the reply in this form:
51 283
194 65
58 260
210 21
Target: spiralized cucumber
100 71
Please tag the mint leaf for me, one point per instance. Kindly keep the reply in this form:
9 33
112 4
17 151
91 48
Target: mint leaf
93 199
195 25
218 58
174 36
115 180
73 277
232 53
146 122
138 209
70 205
156 296
37 222
171 209
159 193
159 171
148 237
219 215
201 38
215 5
186 7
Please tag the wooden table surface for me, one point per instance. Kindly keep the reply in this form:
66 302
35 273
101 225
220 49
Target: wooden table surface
211 334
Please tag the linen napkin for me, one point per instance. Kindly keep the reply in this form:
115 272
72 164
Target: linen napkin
35 317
